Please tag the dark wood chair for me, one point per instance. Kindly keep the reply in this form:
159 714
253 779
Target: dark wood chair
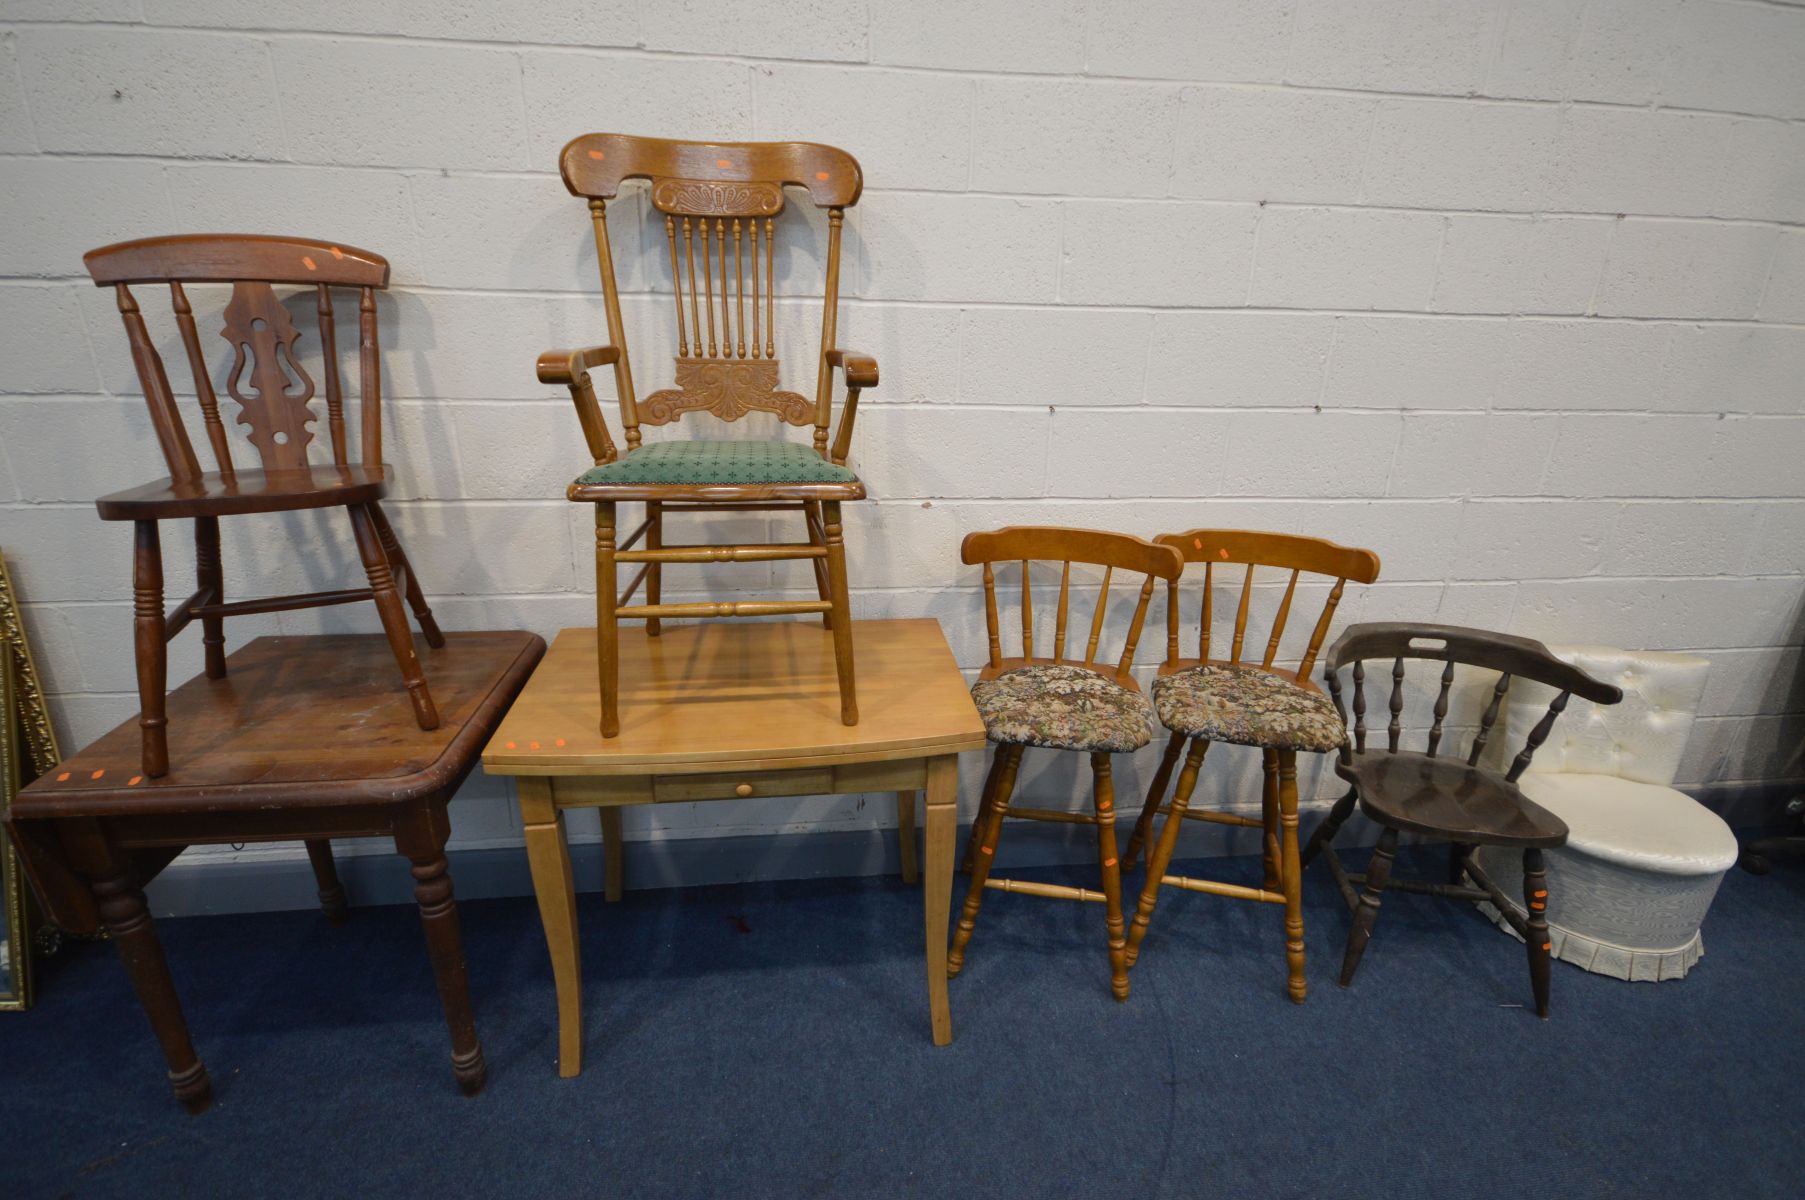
1090 705
719 201
273 391
1447 799
1280 710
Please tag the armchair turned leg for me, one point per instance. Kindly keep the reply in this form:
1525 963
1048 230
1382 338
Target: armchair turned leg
1161 858
325 875
148 641
1291 875
811 516
211 579
985 832
842 612
1331 825
1269 816
1156 792
977 825
1366 913
1535 901
607 628
394 617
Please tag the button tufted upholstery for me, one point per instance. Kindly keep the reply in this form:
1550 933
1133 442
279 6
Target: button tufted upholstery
1640 739
1063 707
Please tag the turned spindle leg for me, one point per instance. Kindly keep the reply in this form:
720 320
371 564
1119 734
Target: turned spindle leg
445 948
211 578
654 571
976 834
1535 900
842 611
1330 826
325 874
1161 858
416 597
394 617
811 511
1156 792
148 642
985 832
607 627
1103 799
1269 816
1291 875
1378 874
128 923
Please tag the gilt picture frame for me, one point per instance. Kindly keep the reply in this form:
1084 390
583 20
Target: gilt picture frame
27 750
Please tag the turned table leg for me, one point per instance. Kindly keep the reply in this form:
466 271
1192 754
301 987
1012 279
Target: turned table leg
425 851
325 875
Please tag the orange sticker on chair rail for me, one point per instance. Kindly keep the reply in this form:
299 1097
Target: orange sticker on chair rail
134 781
308 263
821 175
63 778
98 774
597 155
722 163
336 252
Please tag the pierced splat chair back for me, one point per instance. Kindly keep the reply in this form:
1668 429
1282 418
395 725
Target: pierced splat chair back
273 390
1251 550
1111 551
719 202
1512 657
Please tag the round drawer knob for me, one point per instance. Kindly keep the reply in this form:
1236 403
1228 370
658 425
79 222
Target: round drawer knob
744 789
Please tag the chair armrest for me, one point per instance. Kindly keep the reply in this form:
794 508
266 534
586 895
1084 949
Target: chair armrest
860 369
571 368
861 372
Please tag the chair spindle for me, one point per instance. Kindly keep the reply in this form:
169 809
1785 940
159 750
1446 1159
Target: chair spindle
756 347
770 292
1027 611
1234 652
1097 615
1486 721
739 285
1396 727
1441 707
172 436
1322 628
1209 595
1134 626
335 396
720 238
991 620
1065 593
1360 706
1537 736
369 377
203 382
670 235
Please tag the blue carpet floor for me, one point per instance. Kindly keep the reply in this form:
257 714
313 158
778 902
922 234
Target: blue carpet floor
772 1040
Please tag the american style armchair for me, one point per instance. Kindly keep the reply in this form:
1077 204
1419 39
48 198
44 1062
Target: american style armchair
719 202
274 393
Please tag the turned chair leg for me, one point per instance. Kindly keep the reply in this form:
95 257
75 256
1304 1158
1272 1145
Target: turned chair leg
445 949
211 578
1291 874
1161 858
977 826
394 617
1269 817
1331 825
654 571
1536 938
128 923
1156 792
811 513
985 832
1103 800
325 874
1457 861
416 597
607 628
148 641
1378 874
842 611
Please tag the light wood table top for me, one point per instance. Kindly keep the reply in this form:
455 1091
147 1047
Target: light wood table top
725 711
762 695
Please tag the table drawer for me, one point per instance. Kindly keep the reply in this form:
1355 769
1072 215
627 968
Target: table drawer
743 784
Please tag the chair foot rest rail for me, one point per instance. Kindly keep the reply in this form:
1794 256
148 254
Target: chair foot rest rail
1057 891
742 608
714 554
1213 887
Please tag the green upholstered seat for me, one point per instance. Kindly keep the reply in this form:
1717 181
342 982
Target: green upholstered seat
703 461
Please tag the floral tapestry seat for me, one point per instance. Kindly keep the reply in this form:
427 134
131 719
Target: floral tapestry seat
1063 707
1243 705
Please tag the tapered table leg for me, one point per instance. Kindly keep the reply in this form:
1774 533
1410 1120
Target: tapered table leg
548 856
905 836
937 891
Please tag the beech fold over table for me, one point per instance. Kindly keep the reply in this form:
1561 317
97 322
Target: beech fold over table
305 739
718 712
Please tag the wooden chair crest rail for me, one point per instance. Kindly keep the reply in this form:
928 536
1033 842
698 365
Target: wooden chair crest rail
719 201
274 393
1203 699
1091 705
1447 799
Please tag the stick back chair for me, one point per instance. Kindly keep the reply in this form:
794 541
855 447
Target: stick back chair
1202 700
1091 705
274 394
1447 799
719 202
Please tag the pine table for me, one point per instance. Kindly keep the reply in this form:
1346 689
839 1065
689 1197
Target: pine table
719 711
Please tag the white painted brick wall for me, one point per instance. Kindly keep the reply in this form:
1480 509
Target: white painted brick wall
1512 291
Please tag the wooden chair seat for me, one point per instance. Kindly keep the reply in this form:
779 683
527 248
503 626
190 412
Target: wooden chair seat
1247 706
214 494
1063 707
1444 798
714 467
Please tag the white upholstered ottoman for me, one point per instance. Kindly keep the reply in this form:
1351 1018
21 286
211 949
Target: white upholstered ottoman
1629 890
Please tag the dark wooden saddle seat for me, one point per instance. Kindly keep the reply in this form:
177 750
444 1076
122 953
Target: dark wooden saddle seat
221 494
1447 799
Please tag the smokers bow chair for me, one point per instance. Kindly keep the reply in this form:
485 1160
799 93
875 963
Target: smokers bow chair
720 203
273 391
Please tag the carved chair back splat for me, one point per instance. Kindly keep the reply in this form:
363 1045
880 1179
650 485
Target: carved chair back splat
1447 798
1114 552
719 203
1252 550
274 393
